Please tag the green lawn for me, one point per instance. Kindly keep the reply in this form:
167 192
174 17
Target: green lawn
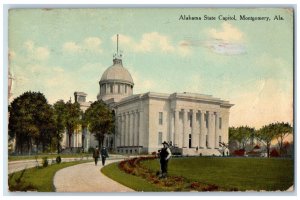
228 173
242 173
36 179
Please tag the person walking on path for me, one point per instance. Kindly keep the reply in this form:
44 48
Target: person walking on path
104 155
165 154
96 155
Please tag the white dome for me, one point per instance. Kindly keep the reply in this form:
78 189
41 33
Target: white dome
116 73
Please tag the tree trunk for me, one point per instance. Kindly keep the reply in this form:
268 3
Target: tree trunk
70 137
57 137
268 150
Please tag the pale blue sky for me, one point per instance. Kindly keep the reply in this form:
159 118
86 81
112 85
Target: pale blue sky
248 63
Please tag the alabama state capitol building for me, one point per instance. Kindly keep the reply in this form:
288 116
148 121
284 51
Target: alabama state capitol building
195 123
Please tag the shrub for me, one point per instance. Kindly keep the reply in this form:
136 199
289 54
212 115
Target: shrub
274 153
91 150
240 152
45 162
58 159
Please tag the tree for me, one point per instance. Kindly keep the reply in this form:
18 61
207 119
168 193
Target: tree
59 121
30 119
100 120
241 134
72 118
266 134
282 130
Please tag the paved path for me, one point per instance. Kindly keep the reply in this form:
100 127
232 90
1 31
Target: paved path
14 166
86 178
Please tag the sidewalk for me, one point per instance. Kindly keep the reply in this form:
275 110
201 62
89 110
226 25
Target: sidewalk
86 178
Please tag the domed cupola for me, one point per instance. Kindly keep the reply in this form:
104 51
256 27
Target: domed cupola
116 81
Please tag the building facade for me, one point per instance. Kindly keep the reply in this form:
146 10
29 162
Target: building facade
193 123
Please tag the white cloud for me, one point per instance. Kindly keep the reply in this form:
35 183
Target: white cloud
36 52
228 33
71 47
152 42
90 44
227 41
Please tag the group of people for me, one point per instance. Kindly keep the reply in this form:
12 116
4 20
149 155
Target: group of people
104 155
164 157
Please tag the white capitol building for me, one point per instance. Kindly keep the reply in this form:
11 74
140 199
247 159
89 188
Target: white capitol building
195 123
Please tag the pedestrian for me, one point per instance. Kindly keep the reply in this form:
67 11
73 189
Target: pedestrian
165 154
96 155
104 155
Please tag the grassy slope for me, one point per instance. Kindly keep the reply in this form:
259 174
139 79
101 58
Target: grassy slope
41 179
240 173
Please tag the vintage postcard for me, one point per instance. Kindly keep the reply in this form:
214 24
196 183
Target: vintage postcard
151 100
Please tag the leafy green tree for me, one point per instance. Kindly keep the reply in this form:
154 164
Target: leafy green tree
59 121
72 118
30 118
100 120
242 135
282 130
266 134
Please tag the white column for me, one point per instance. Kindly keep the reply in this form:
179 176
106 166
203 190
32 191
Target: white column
129 129
171 127
123 132
185 142
211 133
202 129
195 134
132 120
118 135
126 129
141 131
176 128
136 128
213 129
217 130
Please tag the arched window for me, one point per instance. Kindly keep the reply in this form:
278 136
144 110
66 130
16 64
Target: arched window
111 88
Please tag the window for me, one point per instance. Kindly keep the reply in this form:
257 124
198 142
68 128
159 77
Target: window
159 138
220 123
119 88
206 140
111 88
191 119
104 89
160 119
125 88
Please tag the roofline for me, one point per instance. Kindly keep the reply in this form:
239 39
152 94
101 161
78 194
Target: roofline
176 96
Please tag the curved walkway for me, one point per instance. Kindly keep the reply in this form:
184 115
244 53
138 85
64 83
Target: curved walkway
86 178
